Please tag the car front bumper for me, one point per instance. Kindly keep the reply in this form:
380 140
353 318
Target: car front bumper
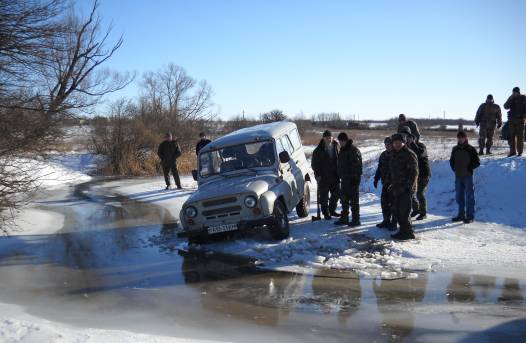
243 225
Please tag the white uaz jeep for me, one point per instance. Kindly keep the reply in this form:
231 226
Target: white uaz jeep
250 178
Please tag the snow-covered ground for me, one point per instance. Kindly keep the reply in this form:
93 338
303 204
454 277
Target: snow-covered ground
495 244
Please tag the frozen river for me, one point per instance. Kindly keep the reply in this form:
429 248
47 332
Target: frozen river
116 264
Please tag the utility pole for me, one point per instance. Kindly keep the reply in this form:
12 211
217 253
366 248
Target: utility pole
243 115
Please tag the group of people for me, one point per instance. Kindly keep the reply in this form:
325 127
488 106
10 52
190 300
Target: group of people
403 169
489 116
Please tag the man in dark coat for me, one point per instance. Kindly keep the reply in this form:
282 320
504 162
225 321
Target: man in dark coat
419 201
203 141
169 151
516 104
488 115
386 199
404 174
403 121
325 166
464 160
350 173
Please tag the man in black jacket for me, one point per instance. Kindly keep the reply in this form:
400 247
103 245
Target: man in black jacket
419 201
386 199
350 173
516 104
325 166
463 161
203 141
403 166
169 151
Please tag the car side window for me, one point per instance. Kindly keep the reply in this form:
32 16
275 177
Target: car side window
295 139
287 145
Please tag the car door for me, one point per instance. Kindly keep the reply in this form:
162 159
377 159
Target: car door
291 172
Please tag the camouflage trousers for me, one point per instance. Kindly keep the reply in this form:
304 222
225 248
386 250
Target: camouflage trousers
516 135
486 133
419 201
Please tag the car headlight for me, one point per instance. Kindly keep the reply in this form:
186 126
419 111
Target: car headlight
250 201
190 212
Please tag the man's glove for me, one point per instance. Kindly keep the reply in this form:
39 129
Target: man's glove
375 183
499 125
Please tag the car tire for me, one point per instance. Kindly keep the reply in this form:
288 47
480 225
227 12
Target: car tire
280 229
303 207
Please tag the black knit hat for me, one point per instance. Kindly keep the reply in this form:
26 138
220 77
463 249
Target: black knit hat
402 117
461 133
489 97
517 89
327 133
398 137
343 136
388 140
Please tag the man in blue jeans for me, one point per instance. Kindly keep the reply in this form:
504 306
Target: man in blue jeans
464 160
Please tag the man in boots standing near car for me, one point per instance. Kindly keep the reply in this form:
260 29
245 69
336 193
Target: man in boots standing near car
386 199
350 173
488 115
169 151
404 174
325 166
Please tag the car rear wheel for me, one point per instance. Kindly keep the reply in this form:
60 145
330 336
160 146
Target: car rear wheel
303 207
280 229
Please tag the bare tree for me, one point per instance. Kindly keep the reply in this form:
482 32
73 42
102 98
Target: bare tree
272 116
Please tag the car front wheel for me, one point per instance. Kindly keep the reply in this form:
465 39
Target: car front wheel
280 228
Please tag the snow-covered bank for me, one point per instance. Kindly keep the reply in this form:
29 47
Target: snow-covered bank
18 326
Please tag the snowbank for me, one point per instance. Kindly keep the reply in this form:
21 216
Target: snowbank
18 326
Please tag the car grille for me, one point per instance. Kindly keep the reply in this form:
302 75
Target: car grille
216 202
222 212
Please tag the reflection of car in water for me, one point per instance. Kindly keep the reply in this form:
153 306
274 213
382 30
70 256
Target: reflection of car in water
250 178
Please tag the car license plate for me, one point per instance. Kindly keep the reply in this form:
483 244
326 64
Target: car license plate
222 228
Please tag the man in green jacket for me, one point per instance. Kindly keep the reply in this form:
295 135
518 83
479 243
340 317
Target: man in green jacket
516 104
488 115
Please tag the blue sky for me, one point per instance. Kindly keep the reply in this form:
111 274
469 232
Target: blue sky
371 58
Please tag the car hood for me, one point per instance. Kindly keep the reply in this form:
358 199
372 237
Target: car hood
251 183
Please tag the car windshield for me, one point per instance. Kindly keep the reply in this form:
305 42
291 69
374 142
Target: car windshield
236 157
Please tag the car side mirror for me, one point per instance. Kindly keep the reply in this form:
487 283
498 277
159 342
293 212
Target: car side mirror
284 157
194 174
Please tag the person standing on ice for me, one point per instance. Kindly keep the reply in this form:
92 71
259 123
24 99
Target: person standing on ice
386 199
325 166
419 201
350 174
516 104
488 115
203 141
464 160
403 167
169 151
411 124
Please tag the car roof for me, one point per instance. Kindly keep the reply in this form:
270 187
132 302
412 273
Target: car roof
251 134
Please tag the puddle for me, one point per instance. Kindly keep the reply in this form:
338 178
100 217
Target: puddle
116 264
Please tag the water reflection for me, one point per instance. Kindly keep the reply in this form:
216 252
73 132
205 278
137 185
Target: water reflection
396 300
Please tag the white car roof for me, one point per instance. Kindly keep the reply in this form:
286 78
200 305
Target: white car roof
251 134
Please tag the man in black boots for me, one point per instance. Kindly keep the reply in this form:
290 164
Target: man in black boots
325 166
350 173
404 175
488 116
169 151
386 199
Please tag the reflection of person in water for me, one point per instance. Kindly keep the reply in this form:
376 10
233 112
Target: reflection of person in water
459 289
232 285
511 292
343 290
396 300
